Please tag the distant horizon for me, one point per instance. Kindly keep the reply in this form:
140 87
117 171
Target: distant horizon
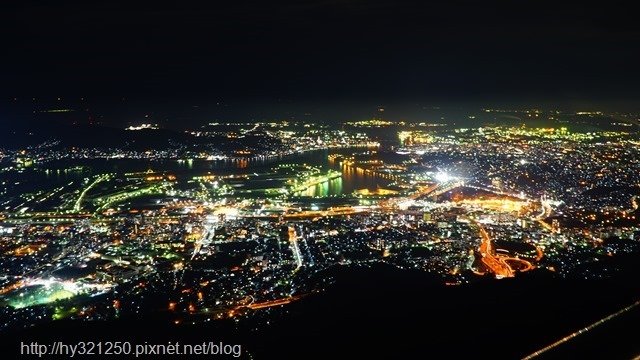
322 52
181 115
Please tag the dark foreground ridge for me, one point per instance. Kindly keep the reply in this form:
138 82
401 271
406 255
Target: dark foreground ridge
384 313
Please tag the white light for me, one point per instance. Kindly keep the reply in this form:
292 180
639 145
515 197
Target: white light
523 161
442 177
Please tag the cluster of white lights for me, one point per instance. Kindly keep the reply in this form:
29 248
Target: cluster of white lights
443 177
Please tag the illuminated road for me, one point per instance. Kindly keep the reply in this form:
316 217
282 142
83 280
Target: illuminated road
526 264
334 211
545 225
78 205
109 200
12 287
423 191
205 239
497 265
445 187
293 241
546 212
271 303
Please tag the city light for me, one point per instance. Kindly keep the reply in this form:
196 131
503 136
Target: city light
442 176
324 179
228 232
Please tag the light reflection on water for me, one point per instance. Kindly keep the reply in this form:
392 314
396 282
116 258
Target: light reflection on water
327 188
351 179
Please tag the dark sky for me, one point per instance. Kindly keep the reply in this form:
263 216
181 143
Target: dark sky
330 51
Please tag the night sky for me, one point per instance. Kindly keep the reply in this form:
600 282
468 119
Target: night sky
321 52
